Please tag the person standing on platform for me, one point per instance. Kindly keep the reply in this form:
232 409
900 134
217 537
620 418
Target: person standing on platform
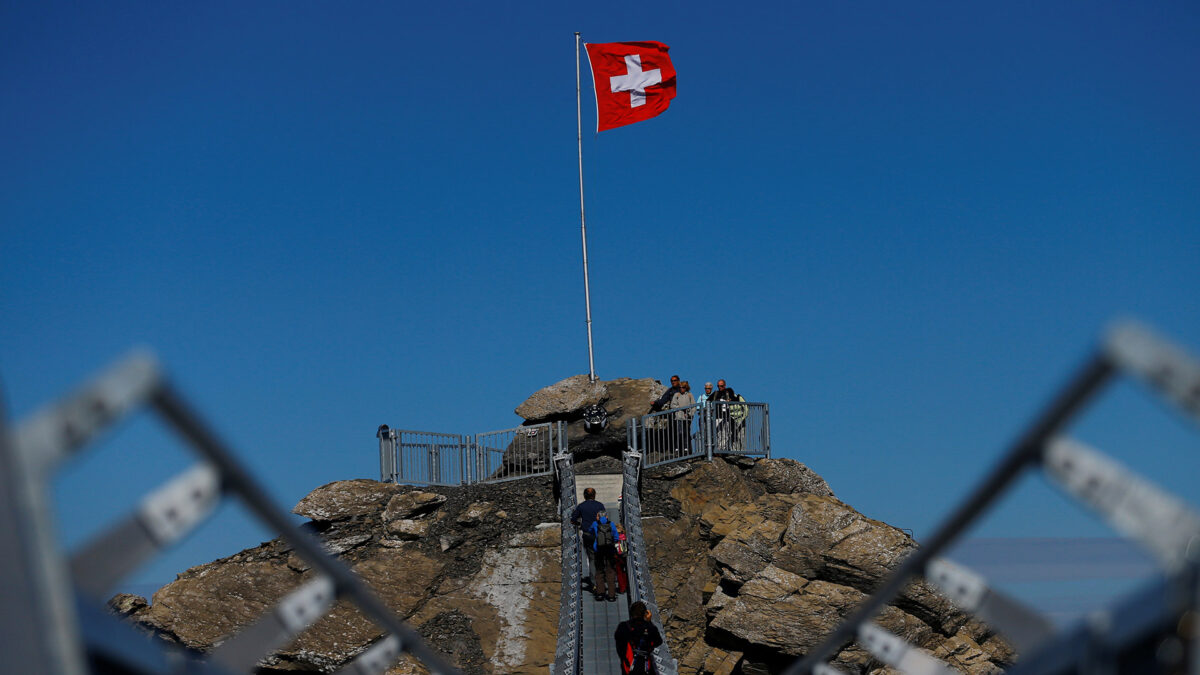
737 417
664 401
722 424
682 403
661 429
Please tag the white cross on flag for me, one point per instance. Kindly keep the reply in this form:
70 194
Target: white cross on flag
634 81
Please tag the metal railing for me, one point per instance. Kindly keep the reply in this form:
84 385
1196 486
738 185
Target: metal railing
424 457
431 458
641 586
52 618
703 430
520 452
568 650
1155 630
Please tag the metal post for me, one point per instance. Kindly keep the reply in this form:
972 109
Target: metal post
767 428
387 454
709 431
462 463
587 294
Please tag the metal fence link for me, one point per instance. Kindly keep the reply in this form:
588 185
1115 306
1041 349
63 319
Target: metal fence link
518 453
674 435
432 458
703 430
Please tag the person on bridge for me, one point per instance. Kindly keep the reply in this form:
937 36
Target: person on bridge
636 639
622 549
605 538
584 516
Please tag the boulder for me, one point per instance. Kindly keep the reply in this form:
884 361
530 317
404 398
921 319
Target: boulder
413 504
476 513
346 499
127 604
790 614
342 544
407 529
623 398
562 398
827 539
743 553
704 659
787 476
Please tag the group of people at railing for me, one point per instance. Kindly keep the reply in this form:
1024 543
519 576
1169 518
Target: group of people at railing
728 419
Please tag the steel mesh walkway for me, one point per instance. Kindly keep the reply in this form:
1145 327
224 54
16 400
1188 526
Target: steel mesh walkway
600 619
586 626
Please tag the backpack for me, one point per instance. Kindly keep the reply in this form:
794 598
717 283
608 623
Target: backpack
738 412
641 655
604 535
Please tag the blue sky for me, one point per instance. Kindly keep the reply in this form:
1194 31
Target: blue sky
902 225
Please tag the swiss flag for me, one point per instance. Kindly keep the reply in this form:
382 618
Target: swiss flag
634 81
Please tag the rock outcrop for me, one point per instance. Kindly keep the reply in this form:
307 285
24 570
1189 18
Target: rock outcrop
754 561
623 398
475 569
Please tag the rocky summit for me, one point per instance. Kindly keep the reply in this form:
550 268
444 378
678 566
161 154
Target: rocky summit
754 561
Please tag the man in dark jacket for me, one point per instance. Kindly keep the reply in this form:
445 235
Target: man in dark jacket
583 516
636 639
722 424
665 399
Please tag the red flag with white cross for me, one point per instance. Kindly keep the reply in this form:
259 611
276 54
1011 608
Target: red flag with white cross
634 81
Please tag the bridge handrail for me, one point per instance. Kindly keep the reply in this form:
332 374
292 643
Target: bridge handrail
568 650
641 586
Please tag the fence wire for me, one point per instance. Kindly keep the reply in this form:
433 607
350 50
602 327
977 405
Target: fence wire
703 430
432 458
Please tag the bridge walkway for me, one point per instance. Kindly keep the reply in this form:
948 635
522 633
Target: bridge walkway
600 619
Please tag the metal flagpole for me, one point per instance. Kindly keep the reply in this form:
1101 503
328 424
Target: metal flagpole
587 295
